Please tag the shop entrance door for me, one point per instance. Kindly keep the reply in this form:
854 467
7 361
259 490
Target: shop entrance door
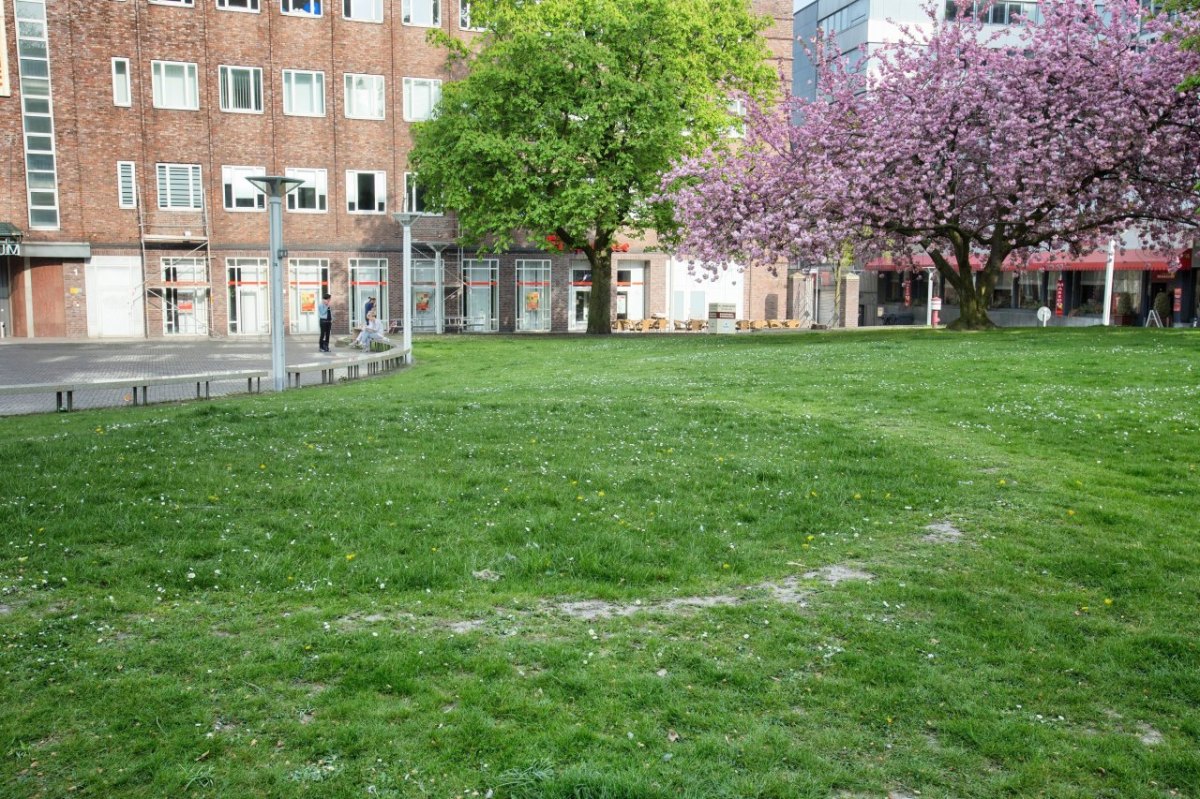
581 297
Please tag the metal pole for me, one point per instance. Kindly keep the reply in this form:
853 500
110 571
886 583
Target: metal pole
1108 281
275 187
929 298
278 367
406 276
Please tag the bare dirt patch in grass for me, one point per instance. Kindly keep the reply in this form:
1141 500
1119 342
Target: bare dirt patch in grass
942 533
1149 736
838 573
788 591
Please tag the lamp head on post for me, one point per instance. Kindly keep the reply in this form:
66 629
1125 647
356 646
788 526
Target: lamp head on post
274 185
406 218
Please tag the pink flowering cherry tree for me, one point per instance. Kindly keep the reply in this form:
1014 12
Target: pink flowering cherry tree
965 145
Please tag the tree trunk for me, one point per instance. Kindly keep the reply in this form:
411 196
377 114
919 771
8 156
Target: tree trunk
974 290
600 300
972 314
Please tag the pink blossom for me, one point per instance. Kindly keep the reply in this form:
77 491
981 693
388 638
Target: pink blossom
964 142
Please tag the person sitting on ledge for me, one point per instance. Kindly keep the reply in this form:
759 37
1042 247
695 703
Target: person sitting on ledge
372 331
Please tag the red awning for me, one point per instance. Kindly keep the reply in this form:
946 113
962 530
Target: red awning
1131 260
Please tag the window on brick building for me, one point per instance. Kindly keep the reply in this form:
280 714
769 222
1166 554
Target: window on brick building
126 186
241 89
312 195
175 85
464 16
239 193
120 76
414 197
364 96
426 13
303 93
301 8
366 192
239 5
179 187
363 10
421 96
172 2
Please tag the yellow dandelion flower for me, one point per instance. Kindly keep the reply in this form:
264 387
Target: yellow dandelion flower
352 556
1108 600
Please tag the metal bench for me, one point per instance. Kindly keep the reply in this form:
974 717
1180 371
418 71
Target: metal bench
374 362
64 393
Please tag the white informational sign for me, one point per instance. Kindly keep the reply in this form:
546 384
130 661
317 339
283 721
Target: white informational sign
722 317
936 303
1043 315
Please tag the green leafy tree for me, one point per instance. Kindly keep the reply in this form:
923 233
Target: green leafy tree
569 112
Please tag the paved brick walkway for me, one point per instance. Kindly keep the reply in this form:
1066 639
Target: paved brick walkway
25 361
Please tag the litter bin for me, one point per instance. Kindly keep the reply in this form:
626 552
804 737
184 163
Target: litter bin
722 317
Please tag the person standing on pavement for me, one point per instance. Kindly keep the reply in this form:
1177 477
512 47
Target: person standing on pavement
325 320
370 306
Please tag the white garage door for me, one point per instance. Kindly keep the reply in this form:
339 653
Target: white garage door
114 296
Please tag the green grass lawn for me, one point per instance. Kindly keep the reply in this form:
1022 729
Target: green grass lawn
834 566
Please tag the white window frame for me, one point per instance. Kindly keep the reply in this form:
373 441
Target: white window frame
411 196
191 100
464 16
375 8
537 272
187 3
225 78
235 197
122 88
368 278
241 272
412 87
352 198
185 279
37 114
194 187
434 6
293 8
374 88
291 91
319 180
482 273
240 6
126 184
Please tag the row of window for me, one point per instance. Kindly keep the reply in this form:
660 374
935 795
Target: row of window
421 13
180 188
997 13
186 293
176 85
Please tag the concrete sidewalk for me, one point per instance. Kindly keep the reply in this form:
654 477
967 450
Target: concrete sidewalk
25 361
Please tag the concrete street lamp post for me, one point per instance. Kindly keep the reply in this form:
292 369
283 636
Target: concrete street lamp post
406 220
275 186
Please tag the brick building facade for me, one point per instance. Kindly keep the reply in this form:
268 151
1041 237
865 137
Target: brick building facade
128 127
